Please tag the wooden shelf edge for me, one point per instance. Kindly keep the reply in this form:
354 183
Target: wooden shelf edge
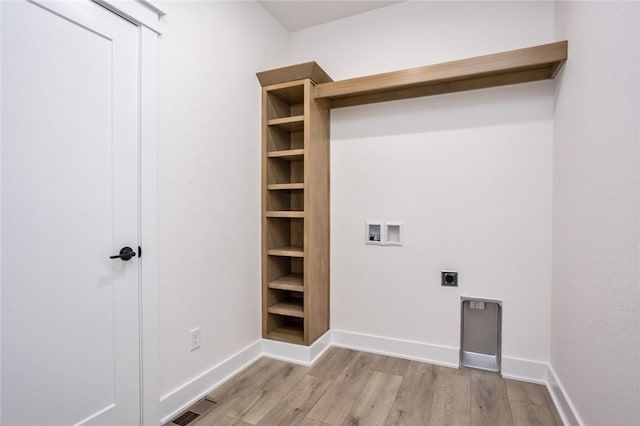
287 308
290 154
286 120
287 252
310 70
511 67
285 214
291 282
284 186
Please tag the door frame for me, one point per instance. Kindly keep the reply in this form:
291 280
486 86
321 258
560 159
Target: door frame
146 17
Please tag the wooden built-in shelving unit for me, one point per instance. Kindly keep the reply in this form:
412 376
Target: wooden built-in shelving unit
295 208
296 101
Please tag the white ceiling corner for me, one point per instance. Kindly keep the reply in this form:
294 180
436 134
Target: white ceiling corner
295 15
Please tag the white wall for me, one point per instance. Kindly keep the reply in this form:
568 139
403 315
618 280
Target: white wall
468 174
209 179
595 328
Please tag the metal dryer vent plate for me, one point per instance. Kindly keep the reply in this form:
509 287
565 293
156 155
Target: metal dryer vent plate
194 413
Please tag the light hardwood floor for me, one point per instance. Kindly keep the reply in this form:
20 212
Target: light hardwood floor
348 387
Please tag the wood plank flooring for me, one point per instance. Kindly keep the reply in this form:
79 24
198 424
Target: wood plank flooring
347 387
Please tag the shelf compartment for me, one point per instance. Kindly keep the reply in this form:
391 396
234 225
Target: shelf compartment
279 139
282 171
288 154
290 332
289 251
291 282
285 200
284 214
290 308
285 236
290 124
285 100
284 273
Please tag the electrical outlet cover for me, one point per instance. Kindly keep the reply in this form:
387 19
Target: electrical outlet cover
449 278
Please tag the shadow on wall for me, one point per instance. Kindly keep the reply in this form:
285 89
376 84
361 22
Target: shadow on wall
480 108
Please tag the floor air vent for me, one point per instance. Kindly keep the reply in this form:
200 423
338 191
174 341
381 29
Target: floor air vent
185 418
199 409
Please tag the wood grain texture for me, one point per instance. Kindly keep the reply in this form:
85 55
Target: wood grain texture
332 363
393 366
516 66
530 393
310 70
375 401
451 401
526 414
310 422
351 387
317 218
336 403
220 421
415 396
293 408
489 402
263 398
526 392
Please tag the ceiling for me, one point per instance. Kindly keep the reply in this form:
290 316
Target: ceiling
296 15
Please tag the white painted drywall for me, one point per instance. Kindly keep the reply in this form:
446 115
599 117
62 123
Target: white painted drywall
468 174
209 180
595 315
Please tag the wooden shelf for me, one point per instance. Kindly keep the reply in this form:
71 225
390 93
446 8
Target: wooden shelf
289 308
288 334
294 214
287 251
285 186
291 282
290 124
499 69
289 155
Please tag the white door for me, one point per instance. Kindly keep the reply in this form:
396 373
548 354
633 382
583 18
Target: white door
70 314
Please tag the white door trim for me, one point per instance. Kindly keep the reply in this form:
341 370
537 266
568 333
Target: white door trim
149 312
144 14
141 12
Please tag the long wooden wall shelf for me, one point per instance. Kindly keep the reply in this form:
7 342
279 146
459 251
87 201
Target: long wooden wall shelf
499 69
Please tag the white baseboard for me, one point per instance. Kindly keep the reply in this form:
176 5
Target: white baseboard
565 407
297 354
184 396
416 351
524 370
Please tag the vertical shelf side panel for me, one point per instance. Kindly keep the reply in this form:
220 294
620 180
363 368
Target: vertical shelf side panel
317 217
264 257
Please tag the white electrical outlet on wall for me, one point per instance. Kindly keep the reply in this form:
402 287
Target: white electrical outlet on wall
195 339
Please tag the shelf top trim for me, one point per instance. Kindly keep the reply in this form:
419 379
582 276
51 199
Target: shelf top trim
498 69
310 70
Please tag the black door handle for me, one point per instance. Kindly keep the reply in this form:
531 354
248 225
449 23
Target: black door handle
126 253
